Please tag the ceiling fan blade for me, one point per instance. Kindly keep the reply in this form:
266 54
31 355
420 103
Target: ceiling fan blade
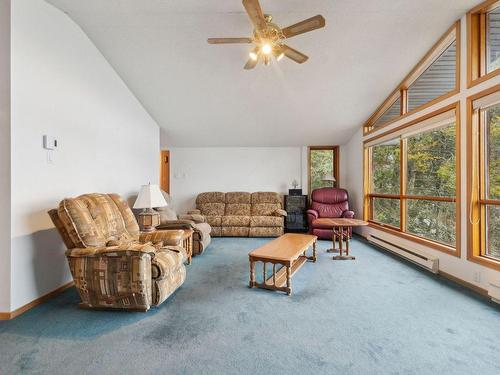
294 54
251 63
305 26
228 40
255 13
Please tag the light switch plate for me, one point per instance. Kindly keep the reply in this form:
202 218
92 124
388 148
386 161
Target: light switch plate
49 142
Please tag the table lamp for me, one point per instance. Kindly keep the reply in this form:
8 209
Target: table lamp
150 196
329 178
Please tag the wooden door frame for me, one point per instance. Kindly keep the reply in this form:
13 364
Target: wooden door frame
165 172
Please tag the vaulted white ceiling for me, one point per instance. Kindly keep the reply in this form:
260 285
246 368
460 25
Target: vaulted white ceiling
200 95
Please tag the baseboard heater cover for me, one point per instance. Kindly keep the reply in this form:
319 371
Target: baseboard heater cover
494 290
427 261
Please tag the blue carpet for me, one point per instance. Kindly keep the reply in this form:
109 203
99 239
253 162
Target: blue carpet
374 315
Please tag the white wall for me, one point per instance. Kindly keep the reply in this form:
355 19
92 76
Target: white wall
353 155
5 155
195 170
63 86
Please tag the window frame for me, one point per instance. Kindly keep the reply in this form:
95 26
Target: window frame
336 164
452 34
476 43
476 200
403 197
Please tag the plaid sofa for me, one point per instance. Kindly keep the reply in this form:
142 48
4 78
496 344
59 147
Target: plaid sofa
113 265
242 214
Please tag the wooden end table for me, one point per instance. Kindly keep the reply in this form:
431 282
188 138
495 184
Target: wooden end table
288 250
340 228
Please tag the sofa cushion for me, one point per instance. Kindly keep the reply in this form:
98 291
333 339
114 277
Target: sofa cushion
238 209
235 231
238 197
265 209
266 197
266 221
266 232
166 214
236 221
214 221
212 209
216 232
211 197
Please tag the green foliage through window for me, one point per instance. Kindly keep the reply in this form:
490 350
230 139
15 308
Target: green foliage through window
322 164
432 163
385 167
430 174
493 181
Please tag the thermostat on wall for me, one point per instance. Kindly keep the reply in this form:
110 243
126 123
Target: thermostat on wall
49 142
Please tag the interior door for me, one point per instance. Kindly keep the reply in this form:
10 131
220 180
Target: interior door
165 171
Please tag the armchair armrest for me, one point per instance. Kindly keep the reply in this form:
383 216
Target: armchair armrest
121 249
194 212
176 224
312 213
163 237
280 212
348 214
161 264
197 218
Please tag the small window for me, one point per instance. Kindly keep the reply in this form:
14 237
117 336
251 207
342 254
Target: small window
493 40
437 80
483 52
323 167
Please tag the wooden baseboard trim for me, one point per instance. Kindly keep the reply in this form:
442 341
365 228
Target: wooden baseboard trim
465 284
36 302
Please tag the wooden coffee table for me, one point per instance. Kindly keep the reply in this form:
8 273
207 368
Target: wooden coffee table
289 251
340 228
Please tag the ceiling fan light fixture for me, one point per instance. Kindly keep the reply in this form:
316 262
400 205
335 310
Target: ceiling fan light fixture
267 49
254 54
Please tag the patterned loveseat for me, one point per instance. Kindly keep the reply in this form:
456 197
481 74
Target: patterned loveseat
112 263
240 214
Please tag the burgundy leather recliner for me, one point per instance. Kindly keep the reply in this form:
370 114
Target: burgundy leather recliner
327 203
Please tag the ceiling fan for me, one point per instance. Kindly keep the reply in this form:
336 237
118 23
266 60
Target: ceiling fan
269 38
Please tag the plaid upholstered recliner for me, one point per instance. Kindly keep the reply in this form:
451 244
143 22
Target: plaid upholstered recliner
112 263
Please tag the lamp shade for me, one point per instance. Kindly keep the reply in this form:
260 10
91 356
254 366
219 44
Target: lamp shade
329 177
150 196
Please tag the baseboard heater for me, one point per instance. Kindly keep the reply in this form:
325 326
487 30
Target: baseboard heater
494 290
418 257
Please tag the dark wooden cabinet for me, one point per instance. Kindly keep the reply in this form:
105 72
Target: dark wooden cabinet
296 207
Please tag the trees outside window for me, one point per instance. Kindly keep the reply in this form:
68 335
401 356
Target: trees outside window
413 182
323 161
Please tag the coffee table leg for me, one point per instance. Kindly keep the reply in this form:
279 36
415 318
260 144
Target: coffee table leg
314 251
252 273
344 236
334 239
288 280
341 239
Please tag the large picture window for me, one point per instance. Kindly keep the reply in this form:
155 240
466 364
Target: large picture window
413 187
484 178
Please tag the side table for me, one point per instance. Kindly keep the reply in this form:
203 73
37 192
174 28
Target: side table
340 228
